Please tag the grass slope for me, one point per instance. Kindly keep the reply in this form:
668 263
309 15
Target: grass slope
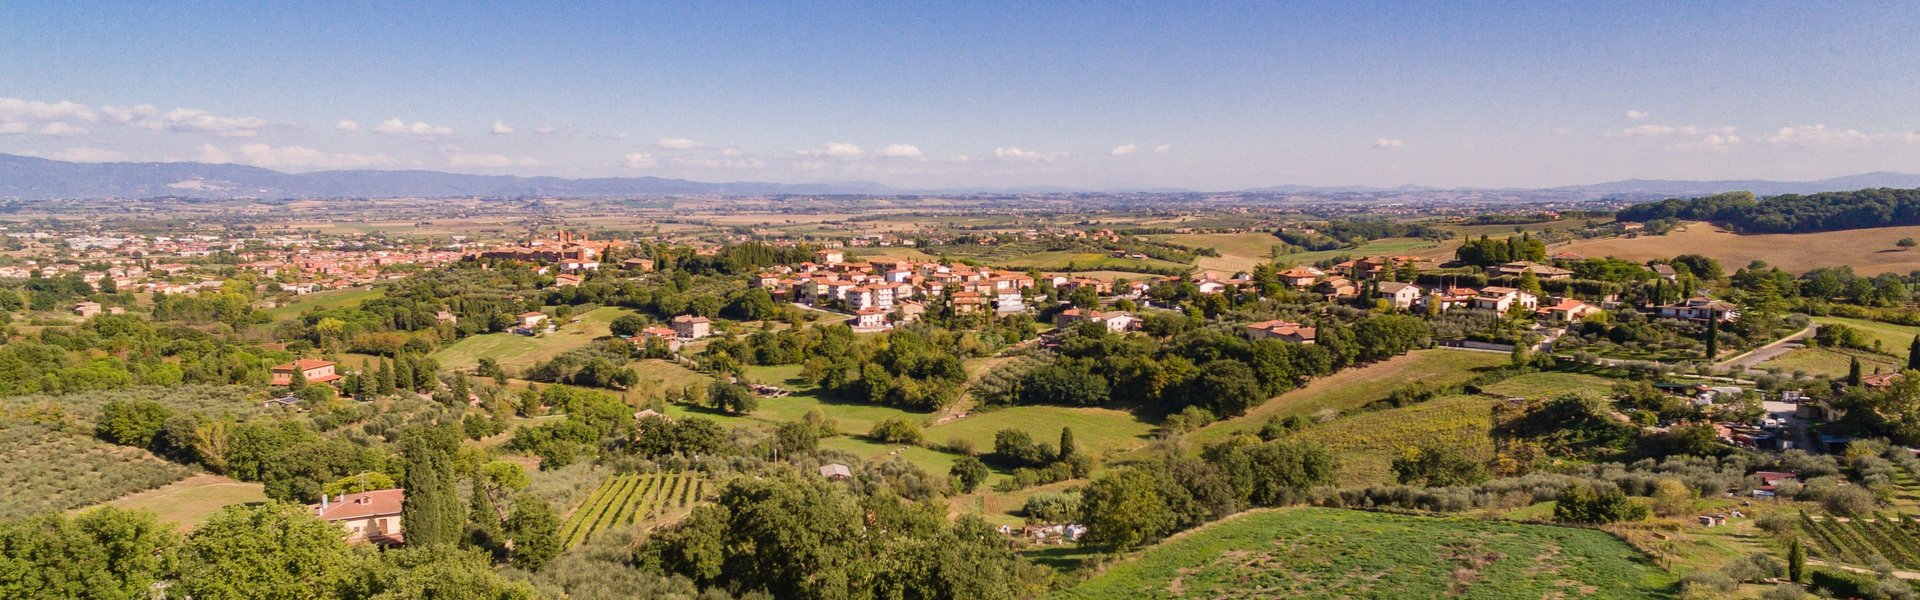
1330 553
188 502
327 299
1355 387
519 351
1367 443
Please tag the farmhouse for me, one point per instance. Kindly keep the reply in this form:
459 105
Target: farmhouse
1700 309
86 309
312 370
1568 309
1281 330
531 319
371 516
836 472
1499 299
1521 267
1114 321
868 319
689 327
1401 295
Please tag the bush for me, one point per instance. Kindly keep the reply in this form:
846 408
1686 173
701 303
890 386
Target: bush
1586 504
896 430
1842 584
1052 507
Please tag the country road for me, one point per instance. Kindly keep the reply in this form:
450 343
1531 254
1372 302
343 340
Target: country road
1771 351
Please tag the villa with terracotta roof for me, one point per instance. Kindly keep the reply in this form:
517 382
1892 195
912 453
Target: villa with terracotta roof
370 516
312 370
1285 331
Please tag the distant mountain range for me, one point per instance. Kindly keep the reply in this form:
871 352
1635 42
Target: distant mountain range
30 178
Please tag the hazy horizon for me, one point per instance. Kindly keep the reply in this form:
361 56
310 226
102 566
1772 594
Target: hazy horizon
995 95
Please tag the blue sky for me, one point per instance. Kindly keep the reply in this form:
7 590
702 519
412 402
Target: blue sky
1098 95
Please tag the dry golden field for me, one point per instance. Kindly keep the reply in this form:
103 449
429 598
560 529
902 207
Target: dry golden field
1869 251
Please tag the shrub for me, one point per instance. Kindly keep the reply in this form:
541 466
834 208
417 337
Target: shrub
1586 504
896 430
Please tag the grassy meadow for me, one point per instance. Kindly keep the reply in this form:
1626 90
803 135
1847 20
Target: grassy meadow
1331 553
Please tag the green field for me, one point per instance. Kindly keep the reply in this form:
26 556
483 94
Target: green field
519 351
327 299
1355 387
1550 383
1331 553
1832 362
1367 443
1099 430
190 501
1242 251
1893 339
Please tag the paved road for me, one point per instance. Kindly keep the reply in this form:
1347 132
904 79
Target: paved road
1771 351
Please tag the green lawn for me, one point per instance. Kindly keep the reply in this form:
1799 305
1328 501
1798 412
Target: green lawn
326 299
1355 387
1550 383
519 352
190 501
1832 362
1893 339
1368 442
1098 430
1331 553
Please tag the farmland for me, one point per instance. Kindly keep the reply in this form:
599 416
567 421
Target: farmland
519 351
1367 443
1864 541
628 499
1869 251
1097 429
1357 386
1330 553
1242 251
49 469
1891 339
1549 383
187 502
323 300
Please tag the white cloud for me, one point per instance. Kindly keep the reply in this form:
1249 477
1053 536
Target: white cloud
842 150
900 151
417 128
1637 114
641 160
183 120
490 161
732 151
545 129
87 155
1712 142
347 125
718 163
1162 149
1027 155
1652 130
209 153
1389 144
1820 135
809 165
60 128
677 143
500 128
1123 149
12 128
15 109
292 157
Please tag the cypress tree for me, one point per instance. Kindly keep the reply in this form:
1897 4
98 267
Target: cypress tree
1713 337
485 530
403 374
383 379
1066 443
1853 372
1797 562
1913 354
431 514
